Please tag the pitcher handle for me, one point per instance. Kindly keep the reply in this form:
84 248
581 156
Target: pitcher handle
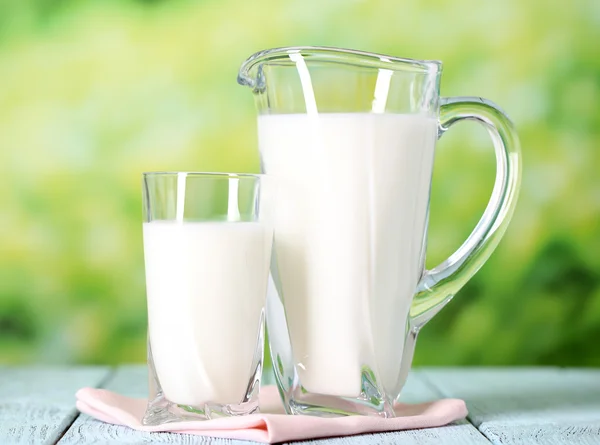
438 285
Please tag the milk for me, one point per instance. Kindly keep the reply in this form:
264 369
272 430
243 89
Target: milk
350 219
206 287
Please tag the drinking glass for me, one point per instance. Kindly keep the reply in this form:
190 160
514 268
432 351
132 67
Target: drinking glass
207 247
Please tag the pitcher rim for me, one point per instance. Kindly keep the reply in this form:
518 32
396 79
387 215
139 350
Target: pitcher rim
374 59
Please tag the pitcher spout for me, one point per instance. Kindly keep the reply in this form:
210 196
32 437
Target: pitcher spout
251 72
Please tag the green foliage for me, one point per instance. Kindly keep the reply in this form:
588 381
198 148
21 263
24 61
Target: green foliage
92 93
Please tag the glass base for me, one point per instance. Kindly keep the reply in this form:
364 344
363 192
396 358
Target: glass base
370 401
331 406
161 411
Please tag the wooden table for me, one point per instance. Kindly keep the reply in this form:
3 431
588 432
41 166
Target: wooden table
506 406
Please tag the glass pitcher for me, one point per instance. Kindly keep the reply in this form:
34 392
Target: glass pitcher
349 138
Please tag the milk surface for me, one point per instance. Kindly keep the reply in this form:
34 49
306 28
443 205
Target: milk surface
350 219
206 288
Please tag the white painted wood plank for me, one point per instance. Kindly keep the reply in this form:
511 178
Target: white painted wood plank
38 404
132 381
511 406
455 434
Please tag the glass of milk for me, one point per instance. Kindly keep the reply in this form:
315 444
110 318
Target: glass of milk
351 137
207 248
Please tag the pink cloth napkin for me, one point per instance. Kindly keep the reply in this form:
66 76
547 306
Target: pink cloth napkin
271 425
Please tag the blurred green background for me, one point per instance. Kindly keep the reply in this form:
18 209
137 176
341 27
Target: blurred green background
92 93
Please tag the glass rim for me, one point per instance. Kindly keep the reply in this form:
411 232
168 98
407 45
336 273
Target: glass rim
336 55
223 175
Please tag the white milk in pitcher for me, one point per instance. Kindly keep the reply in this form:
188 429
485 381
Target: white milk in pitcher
350 220
206 286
